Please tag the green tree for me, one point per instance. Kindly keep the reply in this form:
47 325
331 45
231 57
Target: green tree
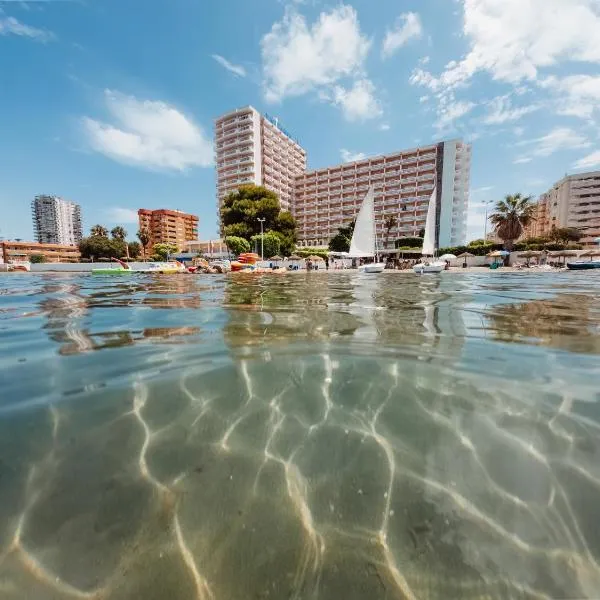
511 216
271 242
389 224
248 204
161 252
565 234
37 259
97 247
144 236
237 245
341 241
118 233
135 249
99 231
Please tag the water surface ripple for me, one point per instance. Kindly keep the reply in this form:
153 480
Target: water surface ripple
308 436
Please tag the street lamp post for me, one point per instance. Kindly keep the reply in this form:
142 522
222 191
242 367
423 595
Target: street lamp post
262 246
486 220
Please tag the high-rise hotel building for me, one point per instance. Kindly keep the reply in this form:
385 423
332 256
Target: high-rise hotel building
253 148
56 221
574 201
404 182
166 226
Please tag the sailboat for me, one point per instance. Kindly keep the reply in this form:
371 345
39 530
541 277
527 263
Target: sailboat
429 243
364 238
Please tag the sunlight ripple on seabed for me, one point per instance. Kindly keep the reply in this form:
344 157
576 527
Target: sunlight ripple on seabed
313 441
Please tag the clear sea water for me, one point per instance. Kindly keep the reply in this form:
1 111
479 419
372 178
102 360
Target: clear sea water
308 436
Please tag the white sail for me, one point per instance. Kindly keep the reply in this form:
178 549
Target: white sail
363 238
429 238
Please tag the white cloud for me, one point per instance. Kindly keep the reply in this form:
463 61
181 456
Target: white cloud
348 156
298 58
560 138
516 41
481 190
384 127
502 111
359 102
591 161
579 95
407 27
149 134
235 69
12 26
122 215
450 110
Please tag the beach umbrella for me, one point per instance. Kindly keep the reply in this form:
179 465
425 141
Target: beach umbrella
314 258
295 257
276 258
498 254
448 257
529 254
465 255
591 254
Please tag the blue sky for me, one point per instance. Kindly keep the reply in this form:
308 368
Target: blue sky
111 104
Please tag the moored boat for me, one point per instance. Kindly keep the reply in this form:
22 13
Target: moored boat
581 265
433 266
364 237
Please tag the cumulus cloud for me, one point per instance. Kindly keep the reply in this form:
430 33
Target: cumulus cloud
591 161
298 57
359 102
407 27
149 134
348 156
519 41
502 111
235 69
121 215
12 26
578 95
560 138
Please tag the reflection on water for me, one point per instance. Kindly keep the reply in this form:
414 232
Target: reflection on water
308 436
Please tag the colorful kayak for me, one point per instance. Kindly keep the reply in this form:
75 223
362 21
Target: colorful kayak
160 268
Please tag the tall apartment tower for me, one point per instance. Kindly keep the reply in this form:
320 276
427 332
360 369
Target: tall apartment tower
254 148
168 226
574 201
56 221
404 182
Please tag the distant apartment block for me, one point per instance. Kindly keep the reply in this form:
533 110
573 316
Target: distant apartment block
168 226
574 201
56 221
254 148
403 181
12 250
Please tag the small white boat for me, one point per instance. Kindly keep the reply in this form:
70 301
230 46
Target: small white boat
430 266
364 237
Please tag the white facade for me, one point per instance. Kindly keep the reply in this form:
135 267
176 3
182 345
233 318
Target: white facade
328 198
252 148
56 221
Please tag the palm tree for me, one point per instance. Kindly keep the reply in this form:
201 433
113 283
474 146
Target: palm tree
144 238
99 231
118 233
389 224
511 216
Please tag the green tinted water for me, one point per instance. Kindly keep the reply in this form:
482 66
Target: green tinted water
306 436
